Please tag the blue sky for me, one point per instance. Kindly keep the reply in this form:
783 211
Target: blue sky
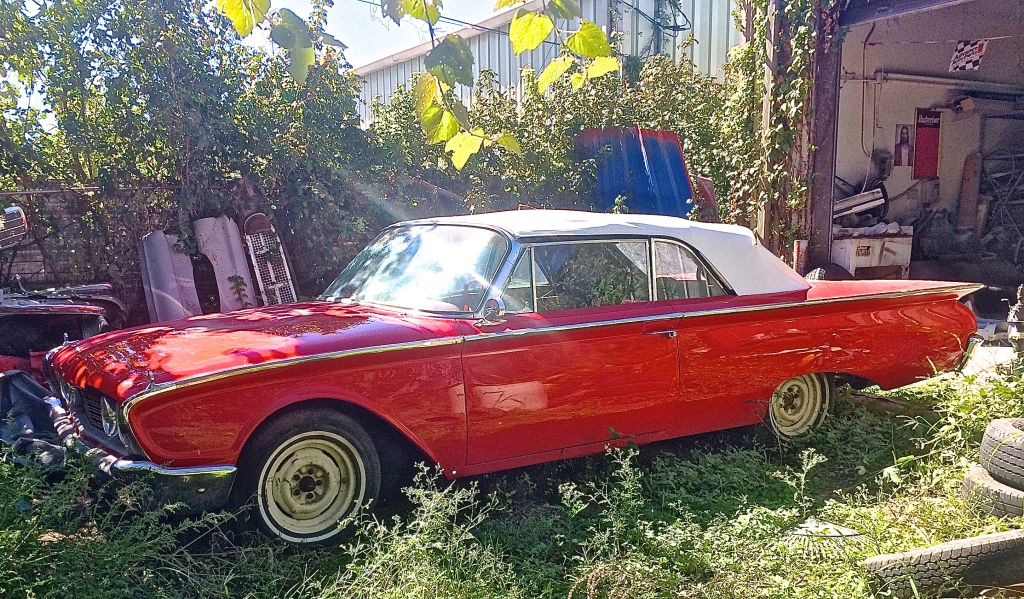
359 25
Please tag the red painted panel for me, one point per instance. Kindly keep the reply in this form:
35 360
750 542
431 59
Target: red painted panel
417 390
552 390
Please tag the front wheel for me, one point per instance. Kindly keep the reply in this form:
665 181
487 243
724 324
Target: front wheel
307 471
800 404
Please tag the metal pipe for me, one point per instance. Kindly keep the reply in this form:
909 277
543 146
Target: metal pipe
979 86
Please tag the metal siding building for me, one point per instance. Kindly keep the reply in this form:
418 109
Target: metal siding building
710 23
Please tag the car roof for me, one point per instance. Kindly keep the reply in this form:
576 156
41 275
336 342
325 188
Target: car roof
748 267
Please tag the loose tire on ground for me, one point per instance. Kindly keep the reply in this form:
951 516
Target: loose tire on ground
1002 451
985 561
800 404
305 471
829 272
993 496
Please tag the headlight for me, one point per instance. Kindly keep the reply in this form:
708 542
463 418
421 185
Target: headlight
109 417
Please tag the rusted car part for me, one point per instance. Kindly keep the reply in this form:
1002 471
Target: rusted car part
27 422
1015 331
219 240
32 322
268 260
13 227
167 278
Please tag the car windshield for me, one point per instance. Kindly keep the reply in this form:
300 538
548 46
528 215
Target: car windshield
437 268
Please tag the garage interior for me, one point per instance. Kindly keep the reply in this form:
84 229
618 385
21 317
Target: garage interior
944 136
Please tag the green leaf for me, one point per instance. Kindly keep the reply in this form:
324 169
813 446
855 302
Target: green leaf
290 31
299 61
451 61
461 113
439 124
395 9
244 14
500 4
577 80
529 30
602 65
426 93
462 146
329 40
424 10
589 41
509 142
564 9
551 73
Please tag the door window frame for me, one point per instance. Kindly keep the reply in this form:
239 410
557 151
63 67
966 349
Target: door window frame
519 247
529 246
702 262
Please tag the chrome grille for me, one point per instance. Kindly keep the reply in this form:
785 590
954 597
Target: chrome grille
92 405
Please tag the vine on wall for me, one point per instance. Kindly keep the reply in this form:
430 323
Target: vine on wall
770 113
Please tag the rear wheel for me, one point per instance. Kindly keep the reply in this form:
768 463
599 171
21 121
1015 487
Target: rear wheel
307 471
800 404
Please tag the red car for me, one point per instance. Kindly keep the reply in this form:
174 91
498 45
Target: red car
488 342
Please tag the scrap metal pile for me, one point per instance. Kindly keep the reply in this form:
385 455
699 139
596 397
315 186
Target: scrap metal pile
1003 184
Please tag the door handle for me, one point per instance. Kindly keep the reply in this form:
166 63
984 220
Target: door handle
670 333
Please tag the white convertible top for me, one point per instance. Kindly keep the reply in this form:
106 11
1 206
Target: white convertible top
748 267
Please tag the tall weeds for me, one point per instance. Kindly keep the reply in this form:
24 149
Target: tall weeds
708 518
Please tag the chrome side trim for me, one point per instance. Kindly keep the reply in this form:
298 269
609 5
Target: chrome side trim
574 327
223 374
721 312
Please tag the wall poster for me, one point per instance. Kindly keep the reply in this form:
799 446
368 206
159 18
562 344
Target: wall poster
903 150
927 138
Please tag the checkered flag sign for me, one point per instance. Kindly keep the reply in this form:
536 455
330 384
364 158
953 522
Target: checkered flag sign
968 55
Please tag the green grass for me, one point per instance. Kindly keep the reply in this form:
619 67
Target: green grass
709 516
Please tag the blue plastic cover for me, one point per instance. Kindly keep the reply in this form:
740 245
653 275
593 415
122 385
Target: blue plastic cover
644 165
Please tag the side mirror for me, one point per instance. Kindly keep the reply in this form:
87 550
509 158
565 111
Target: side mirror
13 227
494 312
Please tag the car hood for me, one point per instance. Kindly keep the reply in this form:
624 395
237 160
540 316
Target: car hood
123 363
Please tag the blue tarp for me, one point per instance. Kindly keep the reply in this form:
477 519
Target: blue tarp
643 165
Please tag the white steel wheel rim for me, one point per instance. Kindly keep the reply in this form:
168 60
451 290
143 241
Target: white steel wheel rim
797 404
309 484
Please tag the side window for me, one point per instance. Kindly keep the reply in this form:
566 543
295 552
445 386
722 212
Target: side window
585 275
518 293
678 275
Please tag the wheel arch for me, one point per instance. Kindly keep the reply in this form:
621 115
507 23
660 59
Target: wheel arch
376 425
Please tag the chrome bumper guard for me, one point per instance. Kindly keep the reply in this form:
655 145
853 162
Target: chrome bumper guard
973 342
199 489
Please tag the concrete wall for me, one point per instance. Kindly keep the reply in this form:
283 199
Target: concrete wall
923 44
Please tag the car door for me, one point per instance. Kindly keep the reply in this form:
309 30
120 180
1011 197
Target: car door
728 356
582 356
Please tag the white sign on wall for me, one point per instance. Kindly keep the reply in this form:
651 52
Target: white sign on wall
967 56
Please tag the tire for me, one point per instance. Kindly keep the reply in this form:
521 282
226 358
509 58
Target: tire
305 471
993 496
829 272
985 561
800 404
1002 451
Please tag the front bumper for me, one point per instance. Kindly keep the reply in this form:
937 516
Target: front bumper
198 488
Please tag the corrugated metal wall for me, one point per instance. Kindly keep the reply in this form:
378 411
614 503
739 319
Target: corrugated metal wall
711 24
